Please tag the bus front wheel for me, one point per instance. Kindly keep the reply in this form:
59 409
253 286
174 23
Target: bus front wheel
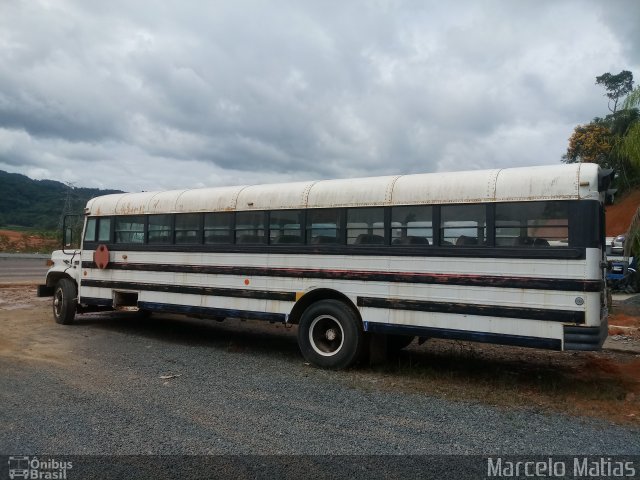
65 301
330 335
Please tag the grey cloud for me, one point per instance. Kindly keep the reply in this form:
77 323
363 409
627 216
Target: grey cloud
173 93
623 17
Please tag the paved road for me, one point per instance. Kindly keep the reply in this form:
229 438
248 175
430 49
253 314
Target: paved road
22 268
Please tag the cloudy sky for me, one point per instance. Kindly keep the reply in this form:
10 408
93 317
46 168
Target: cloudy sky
146 95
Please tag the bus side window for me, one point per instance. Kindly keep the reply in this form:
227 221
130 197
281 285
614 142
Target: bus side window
250 227
532 224
130 229
323 226
411 225
365 226
90 231
285 227
463 225
187 228
160 229
217 228
104 229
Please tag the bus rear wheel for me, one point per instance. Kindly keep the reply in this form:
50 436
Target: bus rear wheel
65 301
330 335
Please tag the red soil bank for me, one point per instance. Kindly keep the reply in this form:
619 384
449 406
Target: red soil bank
619 215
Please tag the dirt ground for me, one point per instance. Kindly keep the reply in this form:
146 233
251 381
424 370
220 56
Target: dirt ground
624 320
603 384
618 216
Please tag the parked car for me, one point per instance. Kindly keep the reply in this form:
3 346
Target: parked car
622 276
617 245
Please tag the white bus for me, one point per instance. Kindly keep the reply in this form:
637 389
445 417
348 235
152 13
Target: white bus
507 256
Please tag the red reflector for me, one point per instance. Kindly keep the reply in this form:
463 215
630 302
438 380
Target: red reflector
50 263
101 256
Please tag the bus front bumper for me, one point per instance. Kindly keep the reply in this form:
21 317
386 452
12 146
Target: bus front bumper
45 291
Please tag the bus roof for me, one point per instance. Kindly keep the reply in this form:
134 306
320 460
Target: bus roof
552 182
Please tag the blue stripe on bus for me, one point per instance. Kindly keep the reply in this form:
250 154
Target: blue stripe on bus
483 337
211 312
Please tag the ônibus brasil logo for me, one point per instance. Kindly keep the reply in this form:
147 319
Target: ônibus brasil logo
40 469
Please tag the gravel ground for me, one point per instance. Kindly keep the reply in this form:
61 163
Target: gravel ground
633 300
96 388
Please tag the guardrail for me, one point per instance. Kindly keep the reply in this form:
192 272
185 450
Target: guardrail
26 255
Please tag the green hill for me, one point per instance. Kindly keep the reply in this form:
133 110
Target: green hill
38 204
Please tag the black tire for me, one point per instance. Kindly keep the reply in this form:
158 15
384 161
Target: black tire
395 343
65 301
330 335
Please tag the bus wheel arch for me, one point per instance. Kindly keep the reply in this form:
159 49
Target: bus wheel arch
65 300
54 277
316 295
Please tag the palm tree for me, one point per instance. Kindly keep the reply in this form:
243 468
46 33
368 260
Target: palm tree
630 147
632 237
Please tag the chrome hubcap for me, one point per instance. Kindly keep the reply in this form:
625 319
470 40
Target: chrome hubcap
57 302
326 335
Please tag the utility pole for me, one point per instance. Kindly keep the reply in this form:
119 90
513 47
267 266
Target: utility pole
67 209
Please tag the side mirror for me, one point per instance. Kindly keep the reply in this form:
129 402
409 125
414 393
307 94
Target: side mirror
71 232
605 178
68 237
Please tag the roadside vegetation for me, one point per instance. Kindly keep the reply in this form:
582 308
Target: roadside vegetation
32 211
613 141
24 240
39 205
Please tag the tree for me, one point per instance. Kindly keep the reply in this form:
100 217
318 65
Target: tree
632 236
608 141
630 145
614 142
620 122
617 86
590 143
